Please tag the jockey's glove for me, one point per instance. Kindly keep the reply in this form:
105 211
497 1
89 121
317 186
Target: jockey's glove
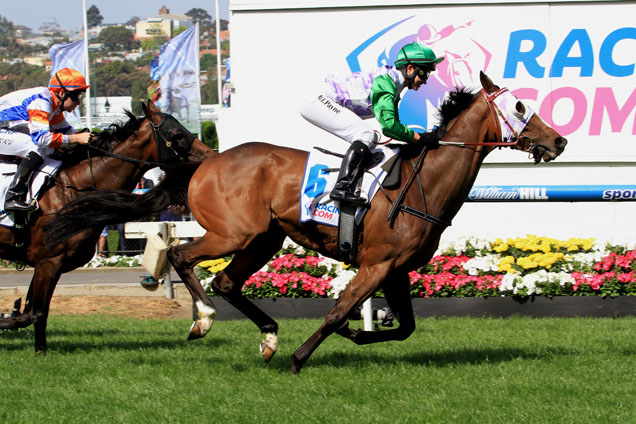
430 139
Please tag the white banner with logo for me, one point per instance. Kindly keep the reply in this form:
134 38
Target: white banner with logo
178 75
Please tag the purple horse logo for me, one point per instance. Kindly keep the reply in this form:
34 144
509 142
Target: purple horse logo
463 56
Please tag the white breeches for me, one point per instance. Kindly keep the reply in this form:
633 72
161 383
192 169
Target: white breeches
16 143
339 121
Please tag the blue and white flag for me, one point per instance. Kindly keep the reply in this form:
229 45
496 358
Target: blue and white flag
178 74
68 56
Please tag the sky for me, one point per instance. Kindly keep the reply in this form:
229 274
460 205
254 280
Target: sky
68 13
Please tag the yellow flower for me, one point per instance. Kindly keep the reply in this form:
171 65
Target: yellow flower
214 265
502 247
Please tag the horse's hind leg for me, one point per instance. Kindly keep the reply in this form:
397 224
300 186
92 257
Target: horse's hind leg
229 282
46 274
22 320
183 258
397 295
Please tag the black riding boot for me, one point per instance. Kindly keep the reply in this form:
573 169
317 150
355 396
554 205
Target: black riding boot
16 195
351 170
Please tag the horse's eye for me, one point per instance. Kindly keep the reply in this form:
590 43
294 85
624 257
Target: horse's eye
175 135
519 110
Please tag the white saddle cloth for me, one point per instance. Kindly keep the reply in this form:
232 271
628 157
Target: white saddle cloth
315 204
7 171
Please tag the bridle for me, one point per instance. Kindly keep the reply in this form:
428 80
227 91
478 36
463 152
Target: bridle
511 139
512 135
165 147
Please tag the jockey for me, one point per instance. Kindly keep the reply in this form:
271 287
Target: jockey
345 103
32 124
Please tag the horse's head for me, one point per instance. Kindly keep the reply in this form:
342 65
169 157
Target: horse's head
173 141
518 124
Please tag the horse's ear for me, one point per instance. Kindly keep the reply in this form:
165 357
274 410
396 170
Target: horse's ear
487 83
153 107
149 109
145 109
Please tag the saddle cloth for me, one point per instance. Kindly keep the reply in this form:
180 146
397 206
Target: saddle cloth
321 174
7 171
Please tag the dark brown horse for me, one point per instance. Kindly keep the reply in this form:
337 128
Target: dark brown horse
125 152
247 200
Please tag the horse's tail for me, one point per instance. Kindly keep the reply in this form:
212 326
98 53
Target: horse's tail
96 209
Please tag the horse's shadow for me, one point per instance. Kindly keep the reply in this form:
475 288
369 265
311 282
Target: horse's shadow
166 341
439 359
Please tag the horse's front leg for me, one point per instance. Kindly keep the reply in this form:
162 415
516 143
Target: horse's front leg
397 295
361 288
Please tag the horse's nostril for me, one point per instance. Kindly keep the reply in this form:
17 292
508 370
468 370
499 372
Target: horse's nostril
561 142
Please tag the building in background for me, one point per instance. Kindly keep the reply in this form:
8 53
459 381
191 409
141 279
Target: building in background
162 25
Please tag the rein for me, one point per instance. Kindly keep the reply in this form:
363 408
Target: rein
496 114
158 136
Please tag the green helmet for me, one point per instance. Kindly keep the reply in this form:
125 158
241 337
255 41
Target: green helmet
416 54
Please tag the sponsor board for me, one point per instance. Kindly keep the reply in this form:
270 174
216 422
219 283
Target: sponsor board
581 193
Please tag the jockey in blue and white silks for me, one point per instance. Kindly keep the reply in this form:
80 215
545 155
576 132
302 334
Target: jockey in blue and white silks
32 124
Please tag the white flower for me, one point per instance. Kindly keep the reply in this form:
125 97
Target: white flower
532 282
486 263
289 243
341 282
584 258
460 246
207 283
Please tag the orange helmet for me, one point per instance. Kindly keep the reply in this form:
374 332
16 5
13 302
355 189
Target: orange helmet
67 79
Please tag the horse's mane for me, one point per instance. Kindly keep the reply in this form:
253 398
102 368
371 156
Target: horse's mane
456 102
106 140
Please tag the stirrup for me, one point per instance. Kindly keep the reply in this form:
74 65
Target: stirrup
18 205
347 197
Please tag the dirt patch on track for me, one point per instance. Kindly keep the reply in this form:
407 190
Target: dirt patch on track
134 307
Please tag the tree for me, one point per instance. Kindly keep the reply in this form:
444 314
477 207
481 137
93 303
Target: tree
209 135
93 17
200 16
207 61
117 38
22 75
153 44
133 20
224 24
6 27
178 30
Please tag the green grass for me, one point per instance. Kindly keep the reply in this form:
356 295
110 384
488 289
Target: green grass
452 370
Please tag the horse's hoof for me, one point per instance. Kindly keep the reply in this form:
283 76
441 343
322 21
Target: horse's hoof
197 330
296 364
269 346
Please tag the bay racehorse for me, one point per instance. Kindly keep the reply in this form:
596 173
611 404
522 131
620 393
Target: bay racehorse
115 160
247 200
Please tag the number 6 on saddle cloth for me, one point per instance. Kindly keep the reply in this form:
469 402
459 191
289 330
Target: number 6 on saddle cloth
321 171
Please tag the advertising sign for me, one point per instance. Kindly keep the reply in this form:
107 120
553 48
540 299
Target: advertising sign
572 62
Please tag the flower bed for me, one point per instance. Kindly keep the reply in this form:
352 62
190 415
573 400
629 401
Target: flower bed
470 267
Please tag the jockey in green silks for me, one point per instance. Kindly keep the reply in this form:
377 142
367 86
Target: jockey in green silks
346 102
